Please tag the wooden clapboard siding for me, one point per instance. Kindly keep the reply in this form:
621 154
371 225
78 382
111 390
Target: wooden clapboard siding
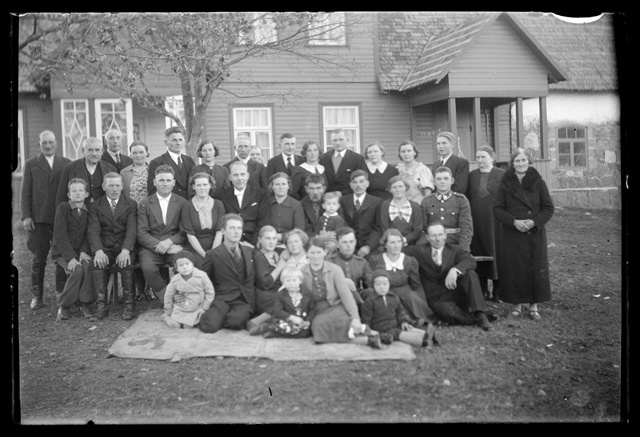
423 134
383 117
37 116
498 64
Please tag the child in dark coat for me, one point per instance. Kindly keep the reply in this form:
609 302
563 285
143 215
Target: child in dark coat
70 250
384 313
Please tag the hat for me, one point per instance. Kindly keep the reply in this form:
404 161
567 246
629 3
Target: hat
380 272
184 254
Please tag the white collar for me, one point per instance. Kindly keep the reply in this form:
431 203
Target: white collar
239 192
330 214
113 154
393 265
372 168
174 156
163 199
360 198
444 160
285 157
341 153
49 159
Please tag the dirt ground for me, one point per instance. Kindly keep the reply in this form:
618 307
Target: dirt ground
568 367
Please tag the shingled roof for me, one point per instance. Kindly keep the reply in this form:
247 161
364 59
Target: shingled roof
417 47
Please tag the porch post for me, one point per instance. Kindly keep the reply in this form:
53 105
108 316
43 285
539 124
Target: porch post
544 129
453 119
519 123
477 129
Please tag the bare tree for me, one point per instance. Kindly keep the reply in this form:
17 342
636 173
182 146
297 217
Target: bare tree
128 53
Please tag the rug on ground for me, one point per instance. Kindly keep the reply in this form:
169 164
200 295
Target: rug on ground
150 338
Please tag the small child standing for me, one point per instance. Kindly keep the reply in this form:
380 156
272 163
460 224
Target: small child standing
70 250
188 295
293 309
330 221
383 312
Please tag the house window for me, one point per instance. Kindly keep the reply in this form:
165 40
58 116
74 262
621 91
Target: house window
115 114
327 29
175 106
264 30
256 123
346 118
572 146
75 126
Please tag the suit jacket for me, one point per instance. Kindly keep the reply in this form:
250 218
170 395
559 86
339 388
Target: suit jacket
78 169
366 223
257 173
221 268
460 169
113 230
276 164
340 180
255 209
151 228
432 276
70 232
39 188
283 306
124 160
310 218
182 179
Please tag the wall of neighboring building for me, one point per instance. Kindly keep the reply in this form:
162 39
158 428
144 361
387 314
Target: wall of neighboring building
37 116
597 185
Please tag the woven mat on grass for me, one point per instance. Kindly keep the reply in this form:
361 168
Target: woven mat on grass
150 338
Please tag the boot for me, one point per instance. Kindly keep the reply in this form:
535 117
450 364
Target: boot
37 285
100 283
87 311
128 289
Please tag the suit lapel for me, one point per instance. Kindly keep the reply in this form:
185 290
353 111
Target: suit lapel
366 203
154 205
172 209
58 165
121 207
349 208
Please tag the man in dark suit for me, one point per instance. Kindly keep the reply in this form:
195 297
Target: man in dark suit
340 163
287 160
248 201
315 186
257 171
360 211
458 165
230 267
181 163
90 168
159 234
113 156
112 234
448 276
40 179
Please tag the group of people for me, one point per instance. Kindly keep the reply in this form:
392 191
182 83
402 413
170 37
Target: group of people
338 246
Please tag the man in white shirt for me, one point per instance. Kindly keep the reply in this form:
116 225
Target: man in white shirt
287 160
159 233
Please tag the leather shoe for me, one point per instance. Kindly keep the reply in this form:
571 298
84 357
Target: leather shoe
87 312
386 338
374 341
128 313
483 322
36 303
429 336
63 314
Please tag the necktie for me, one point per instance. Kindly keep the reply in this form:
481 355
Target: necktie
358 204
289 163
337 159
236 253
436 257
441 162
118 158
79 212
316 208
179 162
113 205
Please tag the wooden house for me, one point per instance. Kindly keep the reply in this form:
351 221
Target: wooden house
502 79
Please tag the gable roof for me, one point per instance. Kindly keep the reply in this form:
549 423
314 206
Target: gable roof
428 45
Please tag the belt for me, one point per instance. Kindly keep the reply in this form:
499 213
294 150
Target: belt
452 230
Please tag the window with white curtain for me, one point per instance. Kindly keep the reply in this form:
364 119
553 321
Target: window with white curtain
115 114
175 106
343 117
75 126
255 122
327 29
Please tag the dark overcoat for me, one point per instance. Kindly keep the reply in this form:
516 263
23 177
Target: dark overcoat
523 264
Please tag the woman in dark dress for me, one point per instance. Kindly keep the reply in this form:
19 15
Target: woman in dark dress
379 170
401 213
201 218
404 275
481 192
524 206
208 151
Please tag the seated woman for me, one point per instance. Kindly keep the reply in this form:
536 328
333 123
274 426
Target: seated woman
208 151
401 213
336 309
295 243
268 265
404 275
285 212
201 218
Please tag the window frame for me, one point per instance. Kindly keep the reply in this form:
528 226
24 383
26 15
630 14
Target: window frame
21 131
169 122
267 152
86 134
324 128
325 42
572 141
128 135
